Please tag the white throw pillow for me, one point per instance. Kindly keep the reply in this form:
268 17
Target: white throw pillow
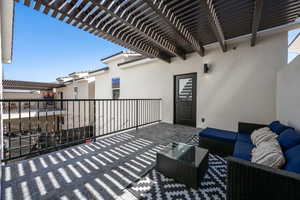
262 135
269 154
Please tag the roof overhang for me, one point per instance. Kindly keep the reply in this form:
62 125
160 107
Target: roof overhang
7 20
119 55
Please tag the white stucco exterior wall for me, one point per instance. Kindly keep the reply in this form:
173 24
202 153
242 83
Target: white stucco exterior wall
288 95
85 91
241 86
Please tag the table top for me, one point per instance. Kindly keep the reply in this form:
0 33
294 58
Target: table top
188 154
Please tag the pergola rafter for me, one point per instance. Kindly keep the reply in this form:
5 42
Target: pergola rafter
174 23
215 24
258 7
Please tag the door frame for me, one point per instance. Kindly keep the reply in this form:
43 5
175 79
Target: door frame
174 97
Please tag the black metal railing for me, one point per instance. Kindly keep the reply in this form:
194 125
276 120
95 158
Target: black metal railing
35 126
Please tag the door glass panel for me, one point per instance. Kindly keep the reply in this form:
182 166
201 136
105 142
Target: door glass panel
185 89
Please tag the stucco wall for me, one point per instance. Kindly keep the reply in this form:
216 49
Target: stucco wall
241 86
84 92
288 95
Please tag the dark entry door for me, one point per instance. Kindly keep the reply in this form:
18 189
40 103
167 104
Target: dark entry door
185 99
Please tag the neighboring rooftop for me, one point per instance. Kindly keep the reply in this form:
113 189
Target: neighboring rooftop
29 85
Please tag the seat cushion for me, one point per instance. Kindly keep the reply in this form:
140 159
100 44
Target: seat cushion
292 157
243 150
288 139
218 134
244 137
277 127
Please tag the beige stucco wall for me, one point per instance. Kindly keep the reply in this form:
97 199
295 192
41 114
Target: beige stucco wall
288 95
241 86
85 91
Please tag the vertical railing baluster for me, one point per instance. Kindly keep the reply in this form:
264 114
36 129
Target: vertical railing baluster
79 134
9 130
99 110
94 136
102 117
84 118
89 115
67 126
106 116
110 118
118 115
29 112
55 131
60 121
38 122
73 124
46 107
137 114
20 128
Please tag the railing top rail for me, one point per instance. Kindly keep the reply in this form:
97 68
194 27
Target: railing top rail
26 100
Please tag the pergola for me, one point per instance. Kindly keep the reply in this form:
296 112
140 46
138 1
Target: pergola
168 28
29 85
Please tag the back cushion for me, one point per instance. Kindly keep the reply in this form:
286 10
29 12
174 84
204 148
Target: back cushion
277 127
269 154
262 135
288 139
292 157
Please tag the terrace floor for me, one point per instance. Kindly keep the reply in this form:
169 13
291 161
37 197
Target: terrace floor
119 166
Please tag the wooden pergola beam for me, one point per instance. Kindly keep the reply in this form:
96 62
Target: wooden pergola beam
174 23
258 7
215 23
141 28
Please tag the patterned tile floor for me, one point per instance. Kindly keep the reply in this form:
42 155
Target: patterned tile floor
99 170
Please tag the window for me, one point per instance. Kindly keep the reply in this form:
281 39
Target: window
75 92
116 88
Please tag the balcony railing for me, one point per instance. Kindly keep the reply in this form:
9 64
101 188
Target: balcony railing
36 126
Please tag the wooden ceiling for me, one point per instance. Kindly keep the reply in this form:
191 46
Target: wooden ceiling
168 28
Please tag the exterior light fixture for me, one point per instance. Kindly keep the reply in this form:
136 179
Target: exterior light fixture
206 68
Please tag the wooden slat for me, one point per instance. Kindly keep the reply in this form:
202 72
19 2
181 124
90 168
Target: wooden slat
147 32
215 24
258 7
175 25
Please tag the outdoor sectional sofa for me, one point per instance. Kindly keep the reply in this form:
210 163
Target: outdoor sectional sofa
247 180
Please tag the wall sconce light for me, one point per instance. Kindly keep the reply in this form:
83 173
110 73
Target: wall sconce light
206 68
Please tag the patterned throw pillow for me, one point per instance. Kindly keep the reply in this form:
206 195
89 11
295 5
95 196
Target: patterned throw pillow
269 154
262 135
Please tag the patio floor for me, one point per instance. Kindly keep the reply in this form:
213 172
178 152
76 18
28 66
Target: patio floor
104 169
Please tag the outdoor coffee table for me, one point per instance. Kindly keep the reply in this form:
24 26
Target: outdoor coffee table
186 164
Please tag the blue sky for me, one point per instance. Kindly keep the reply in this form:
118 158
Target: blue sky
45 48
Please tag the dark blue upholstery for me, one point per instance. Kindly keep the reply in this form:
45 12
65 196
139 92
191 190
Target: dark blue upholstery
288 139
292 157
243 150
277 127
218 134
244 137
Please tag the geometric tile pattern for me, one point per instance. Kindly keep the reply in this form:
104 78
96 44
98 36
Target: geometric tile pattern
155 186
